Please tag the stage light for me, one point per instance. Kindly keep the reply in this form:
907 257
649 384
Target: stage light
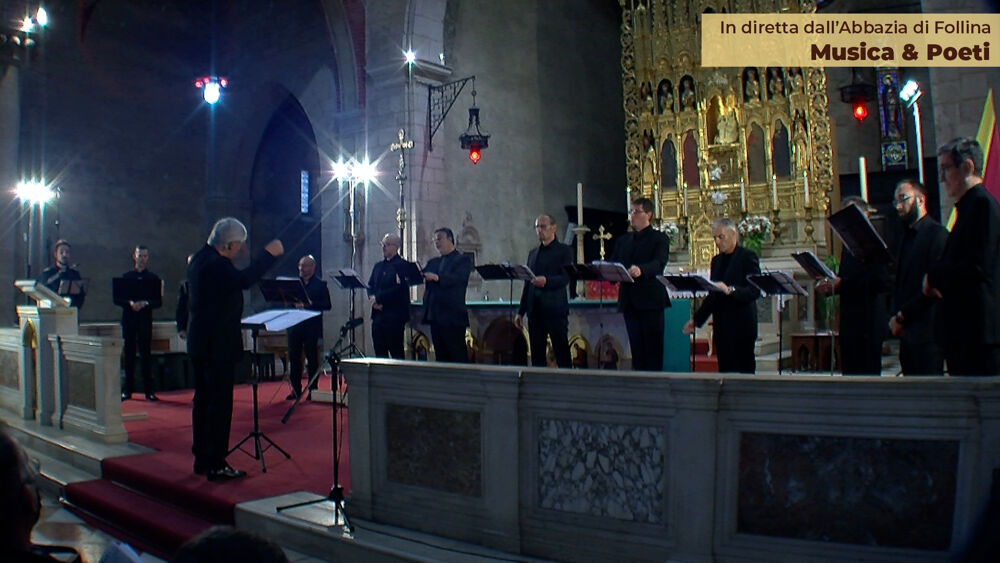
860 111
410 56
42 17
364 172
910 93
211 87
33 192
341 170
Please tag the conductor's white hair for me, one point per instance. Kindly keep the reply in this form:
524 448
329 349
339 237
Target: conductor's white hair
227 230
725 223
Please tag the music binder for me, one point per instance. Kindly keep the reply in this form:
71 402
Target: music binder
284 291
859 236
505 271
612 271
409 273
777 283
813 265
348 278
683 285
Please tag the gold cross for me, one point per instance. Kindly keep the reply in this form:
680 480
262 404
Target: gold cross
601 237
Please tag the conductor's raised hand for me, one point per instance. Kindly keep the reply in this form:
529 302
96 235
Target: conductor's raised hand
275 248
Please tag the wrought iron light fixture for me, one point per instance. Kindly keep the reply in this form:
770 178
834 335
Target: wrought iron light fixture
474 141
440 99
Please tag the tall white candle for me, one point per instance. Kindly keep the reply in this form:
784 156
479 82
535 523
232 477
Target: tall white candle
743 196
805 186
863 175
656 200
579 204
774 191
628 199
685 199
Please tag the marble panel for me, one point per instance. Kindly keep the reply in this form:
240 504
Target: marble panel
80 379
436 448
9 369
607 470
869 491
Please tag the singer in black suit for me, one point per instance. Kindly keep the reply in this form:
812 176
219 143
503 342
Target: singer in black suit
389 297
913 319
447 278
864 289
644 253
53 276
137 327
545 299
967 278
304 337
214 340
734 312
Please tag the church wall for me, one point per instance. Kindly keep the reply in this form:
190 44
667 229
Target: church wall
11 264
122 132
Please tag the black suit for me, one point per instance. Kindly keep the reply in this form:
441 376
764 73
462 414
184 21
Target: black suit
968 276
444 305
642 302
734 316
548 307
137 331
922 245
53 276
215 345
390 289
863 291
305 336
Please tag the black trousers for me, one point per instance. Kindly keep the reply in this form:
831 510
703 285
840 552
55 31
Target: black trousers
920 358
735 355
972 359
212 415
138 335
645 337
540 328
297 345
387 339
449 343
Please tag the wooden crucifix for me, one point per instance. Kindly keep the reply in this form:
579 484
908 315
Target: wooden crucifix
601 237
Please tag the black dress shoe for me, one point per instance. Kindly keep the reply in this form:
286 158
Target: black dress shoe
225 474
152 397
126 396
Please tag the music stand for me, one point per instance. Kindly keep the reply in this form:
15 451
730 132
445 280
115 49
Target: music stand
278 319
859 236
336 494
349 279
818 271
506 271
777 283
689 285
124 290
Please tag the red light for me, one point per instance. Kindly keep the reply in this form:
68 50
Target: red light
223 82
860 111
198 84
475 155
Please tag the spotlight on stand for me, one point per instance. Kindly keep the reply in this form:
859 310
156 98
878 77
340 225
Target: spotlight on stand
211 87
909 94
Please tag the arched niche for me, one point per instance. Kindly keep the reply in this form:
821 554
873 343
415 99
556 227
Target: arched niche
668 164
756 154
781 158
690 162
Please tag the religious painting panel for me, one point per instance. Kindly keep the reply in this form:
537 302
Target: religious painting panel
420 346
609 354
579 351
692 176
503 344
780 151
668 165
434 448
604 470
898 492
756 155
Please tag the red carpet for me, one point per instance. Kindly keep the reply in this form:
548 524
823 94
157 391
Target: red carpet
192 503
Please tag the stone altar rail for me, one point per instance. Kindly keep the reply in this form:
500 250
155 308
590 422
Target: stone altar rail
590 466
88 386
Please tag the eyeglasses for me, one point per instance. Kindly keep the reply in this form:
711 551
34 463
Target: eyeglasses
944 168
902 200
637 211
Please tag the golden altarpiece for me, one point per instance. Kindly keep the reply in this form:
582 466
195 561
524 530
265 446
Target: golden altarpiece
707 142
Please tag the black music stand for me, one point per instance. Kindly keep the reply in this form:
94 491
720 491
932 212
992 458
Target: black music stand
859 236
284 292
350 279
336 495
131 289
777 283
269 320
818 271
506 271
689 285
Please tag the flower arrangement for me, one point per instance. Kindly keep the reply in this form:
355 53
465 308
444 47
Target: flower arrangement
670 229
718 198
753 229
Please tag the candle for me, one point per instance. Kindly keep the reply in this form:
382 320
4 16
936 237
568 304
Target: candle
628 199
685 199
774 191
743 196
863 176
805 186
656 200
579 204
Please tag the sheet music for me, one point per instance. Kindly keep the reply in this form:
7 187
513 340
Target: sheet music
688 285
813 265
777 283
280 319
612 271
520 271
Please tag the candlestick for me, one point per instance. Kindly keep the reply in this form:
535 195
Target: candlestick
743 196
628 199
579 203
656 201
774 191
685 199
863 176
805 186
